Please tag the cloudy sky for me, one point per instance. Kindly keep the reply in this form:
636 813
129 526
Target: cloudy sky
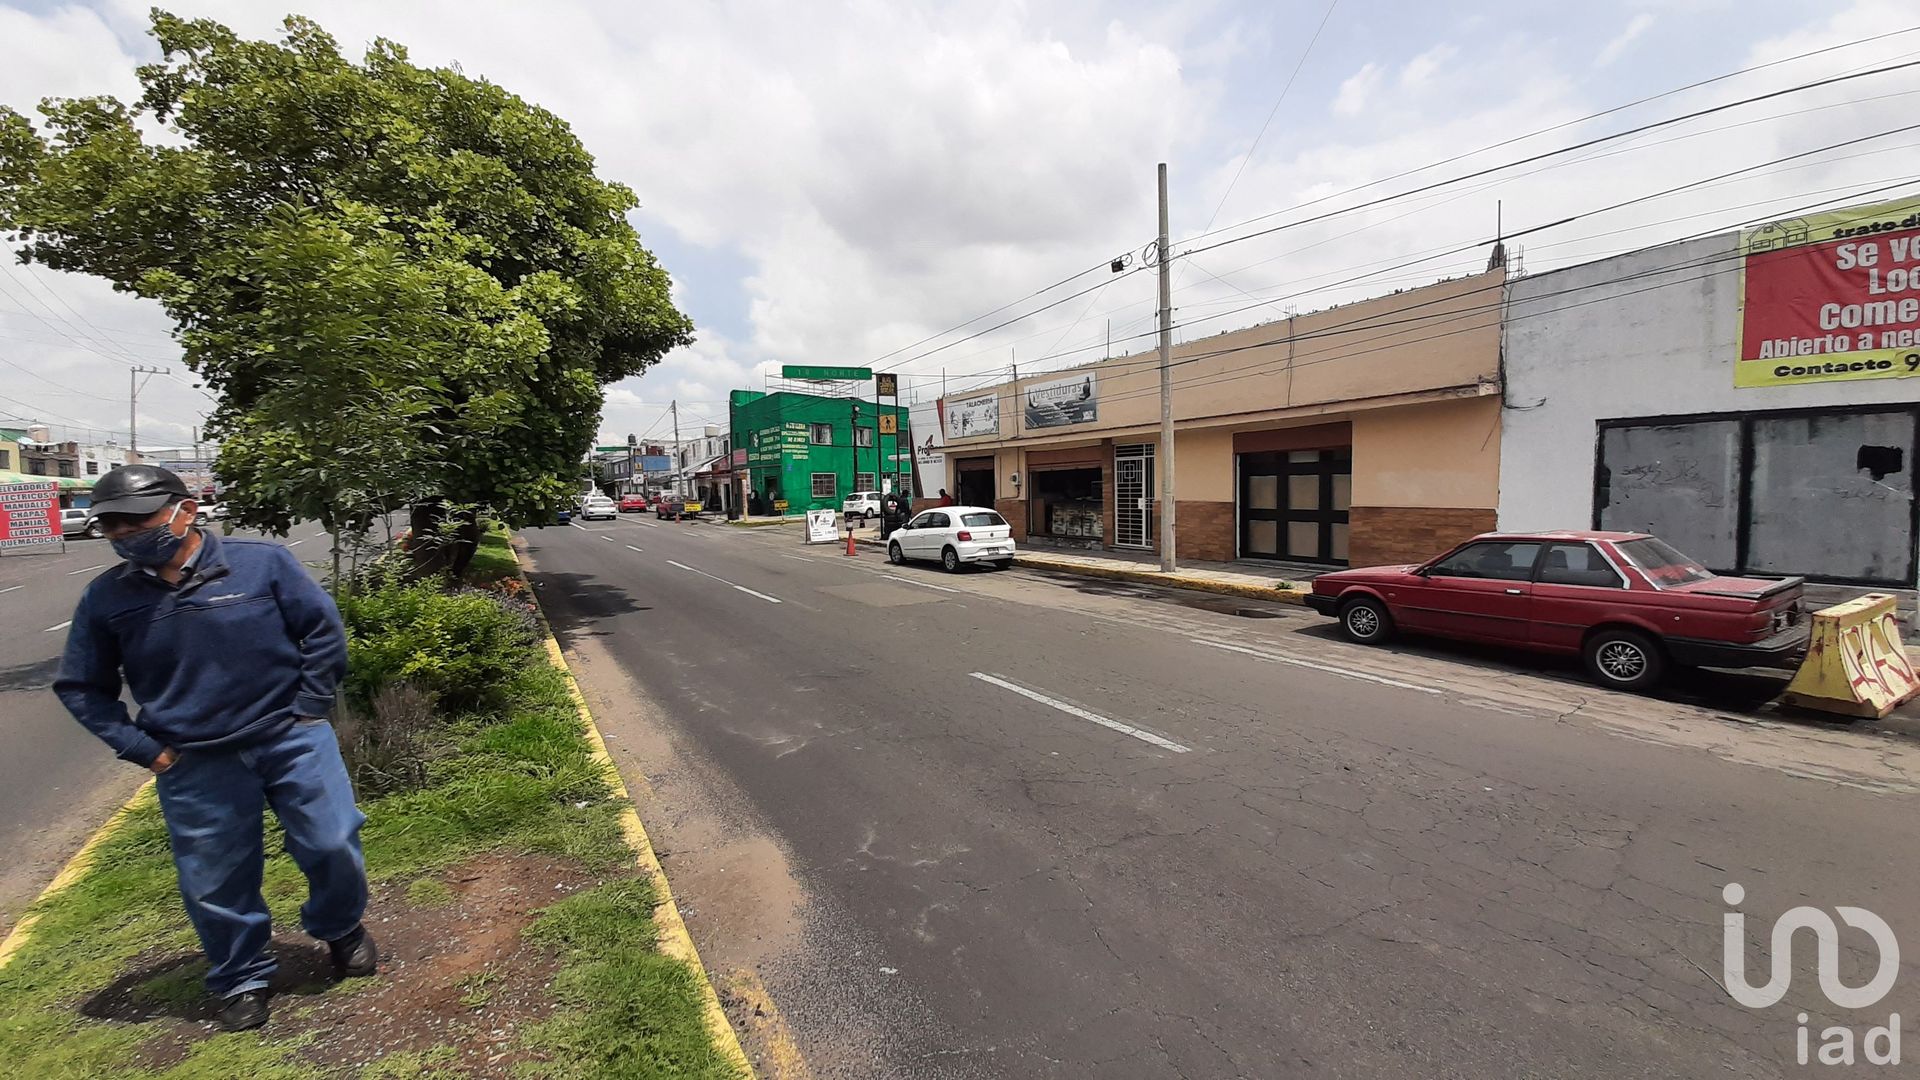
835 182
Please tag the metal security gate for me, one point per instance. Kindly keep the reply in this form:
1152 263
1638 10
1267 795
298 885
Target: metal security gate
1133 496
1827 493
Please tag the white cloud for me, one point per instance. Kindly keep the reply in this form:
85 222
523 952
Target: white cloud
1616 48
1354 92
886 169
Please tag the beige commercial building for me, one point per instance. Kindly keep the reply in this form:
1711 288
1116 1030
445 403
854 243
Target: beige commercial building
1362 434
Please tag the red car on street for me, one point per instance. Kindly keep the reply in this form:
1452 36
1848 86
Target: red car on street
634 504
1627 603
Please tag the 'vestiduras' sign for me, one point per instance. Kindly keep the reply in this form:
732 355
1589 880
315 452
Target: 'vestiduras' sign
1831 296
1062 402
969 418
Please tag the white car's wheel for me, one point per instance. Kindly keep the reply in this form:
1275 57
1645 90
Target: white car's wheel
950 560
895 555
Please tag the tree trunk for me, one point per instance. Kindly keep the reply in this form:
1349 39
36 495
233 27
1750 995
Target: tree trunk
443 540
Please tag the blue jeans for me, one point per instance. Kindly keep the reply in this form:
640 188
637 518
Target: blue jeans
213 803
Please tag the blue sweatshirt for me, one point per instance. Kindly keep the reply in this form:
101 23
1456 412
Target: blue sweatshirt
229 657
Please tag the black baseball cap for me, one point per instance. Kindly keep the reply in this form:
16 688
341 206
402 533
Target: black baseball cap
137 490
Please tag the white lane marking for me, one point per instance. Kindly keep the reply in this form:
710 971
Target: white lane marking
1075 710
296 543
11 588
724 581
783 555
577 525
62 626
630 547
608 539
904 580
84 569
1349 673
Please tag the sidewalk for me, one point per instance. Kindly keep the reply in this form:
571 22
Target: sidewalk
1230 579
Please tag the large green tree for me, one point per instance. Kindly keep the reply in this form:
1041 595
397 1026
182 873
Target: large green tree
405 285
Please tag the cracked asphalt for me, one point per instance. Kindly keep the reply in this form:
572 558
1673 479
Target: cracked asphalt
1489 870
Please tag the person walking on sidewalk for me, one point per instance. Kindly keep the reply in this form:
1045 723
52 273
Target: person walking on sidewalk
233 652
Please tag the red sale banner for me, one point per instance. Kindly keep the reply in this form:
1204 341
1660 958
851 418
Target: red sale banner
29 514
1832 296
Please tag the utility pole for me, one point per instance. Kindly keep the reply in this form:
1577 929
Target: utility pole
134 383
853 481
1165 464
678 488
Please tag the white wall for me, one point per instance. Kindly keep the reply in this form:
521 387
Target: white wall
1661 341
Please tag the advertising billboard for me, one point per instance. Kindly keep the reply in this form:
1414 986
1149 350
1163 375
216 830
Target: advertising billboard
29 514
968 418
1831 296
1062 402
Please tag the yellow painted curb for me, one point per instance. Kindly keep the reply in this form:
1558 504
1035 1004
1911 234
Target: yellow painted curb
77 866
675 941
761 524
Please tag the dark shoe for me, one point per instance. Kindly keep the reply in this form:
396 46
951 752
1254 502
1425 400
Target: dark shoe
354 955
244 1011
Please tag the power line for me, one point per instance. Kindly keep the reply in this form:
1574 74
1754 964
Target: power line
1598 140
1564 124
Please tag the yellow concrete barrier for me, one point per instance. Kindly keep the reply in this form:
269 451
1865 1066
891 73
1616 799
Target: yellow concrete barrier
1855 664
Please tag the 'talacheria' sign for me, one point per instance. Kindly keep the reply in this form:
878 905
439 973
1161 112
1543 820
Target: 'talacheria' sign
1832 296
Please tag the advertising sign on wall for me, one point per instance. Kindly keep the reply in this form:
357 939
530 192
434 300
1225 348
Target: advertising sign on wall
29 514
969 418
1062 402
1831 296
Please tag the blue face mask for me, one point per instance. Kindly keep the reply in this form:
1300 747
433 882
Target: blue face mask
154 546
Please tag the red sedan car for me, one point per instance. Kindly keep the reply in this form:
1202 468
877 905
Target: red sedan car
634 504
1627 603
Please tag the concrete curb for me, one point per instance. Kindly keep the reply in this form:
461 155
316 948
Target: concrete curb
675 941
762 524
1151 577
77 866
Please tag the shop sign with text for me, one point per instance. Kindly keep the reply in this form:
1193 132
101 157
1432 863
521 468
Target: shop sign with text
1831 296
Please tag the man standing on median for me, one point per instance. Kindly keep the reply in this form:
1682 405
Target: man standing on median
232 653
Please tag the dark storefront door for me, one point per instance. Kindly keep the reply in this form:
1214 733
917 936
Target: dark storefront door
975 480
1293 504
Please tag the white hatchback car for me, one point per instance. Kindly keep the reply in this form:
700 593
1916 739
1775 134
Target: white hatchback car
862 505
954 535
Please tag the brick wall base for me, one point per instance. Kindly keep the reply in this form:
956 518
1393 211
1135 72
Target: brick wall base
1015 511
1203 530
1379 535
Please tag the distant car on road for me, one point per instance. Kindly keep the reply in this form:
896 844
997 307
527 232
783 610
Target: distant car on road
561 516
633 504
1627 603
210 513
954 535
598 507
78 521
669 507
861 505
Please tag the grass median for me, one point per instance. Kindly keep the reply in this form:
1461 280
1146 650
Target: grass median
523 939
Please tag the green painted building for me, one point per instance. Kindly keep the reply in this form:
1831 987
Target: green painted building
814 451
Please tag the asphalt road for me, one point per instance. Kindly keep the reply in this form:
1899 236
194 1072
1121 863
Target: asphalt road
1002 825
57 782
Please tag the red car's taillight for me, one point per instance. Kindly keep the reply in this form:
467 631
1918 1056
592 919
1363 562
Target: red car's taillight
965 535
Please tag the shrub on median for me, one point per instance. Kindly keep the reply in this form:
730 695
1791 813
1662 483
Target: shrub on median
460 647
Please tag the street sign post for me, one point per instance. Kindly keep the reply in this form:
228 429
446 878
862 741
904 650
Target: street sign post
816 373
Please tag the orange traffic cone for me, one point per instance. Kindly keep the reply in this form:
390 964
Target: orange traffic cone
850 540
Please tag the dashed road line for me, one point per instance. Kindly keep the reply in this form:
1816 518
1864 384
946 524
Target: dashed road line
608 539
296 543
11 588
630 547
577 525
1075 710
1348 673
62 626
724 581
84 569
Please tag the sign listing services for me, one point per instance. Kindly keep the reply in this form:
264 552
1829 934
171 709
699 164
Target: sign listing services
1832 296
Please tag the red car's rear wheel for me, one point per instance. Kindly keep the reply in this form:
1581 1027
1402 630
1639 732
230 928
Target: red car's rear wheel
1365 621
